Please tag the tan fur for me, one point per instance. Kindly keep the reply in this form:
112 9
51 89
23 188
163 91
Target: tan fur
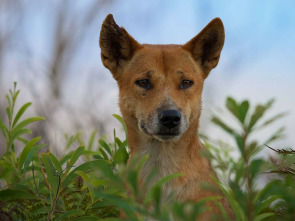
165 66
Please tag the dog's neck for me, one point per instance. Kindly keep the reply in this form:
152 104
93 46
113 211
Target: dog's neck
181 156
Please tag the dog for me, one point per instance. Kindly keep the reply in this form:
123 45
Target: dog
160 98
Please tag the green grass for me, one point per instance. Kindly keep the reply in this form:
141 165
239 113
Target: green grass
38 185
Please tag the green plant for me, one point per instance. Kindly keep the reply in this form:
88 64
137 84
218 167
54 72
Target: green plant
245 169
93 181
37 185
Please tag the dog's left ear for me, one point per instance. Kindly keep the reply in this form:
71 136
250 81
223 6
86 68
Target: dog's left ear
206 47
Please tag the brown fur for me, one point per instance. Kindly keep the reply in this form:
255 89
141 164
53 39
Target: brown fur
165 66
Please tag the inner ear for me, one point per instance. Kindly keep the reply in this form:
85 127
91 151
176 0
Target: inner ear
206 47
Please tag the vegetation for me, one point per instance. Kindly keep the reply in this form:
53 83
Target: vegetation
93 183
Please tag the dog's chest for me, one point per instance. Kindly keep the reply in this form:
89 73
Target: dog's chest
163 160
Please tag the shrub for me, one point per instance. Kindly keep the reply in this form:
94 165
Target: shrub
38 185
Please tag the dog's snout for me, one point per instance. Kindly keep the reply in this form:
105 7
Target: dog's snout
170 118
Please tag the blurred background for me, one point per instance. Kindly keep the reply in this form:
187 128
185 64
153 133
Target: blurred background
51 49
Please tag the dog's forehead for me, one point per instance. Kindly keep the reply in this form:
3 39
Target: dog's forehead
162 59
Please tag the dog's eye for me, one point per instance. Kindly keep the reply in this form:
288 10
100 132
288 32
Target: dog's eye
186 84
144 83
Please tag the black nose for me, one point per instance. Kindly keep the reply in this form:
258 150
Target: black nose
170 118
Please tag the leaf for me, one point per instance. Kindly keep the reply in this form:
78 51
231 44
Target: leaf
50 172
16 194
255 167
82 197
69 214
239 111
3 128
105 146
272 119
265 204
91 140
218 122
76 155
8 112
55 162
121 155
277 135
258 113
99 165
8 100
240 144
26 151
30 155
263 216
236 207
24 123
161 182
120 119
86 218
105 156
20 132
20 113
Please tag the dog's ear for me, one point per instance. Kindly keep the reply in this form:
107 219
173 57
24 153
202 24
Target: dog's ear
206 47
117 46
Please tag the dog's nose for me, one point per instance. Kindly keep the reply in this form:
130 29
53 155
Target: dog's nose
170 118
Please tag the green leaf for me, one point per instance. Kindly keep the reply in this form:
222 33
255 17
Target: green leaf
69 214
258 113
121 155
29 146
20 132
91 140
55 162
120 119
255 167
24 123
237 209
161 182
86 218
105 156
99 165
105 146
240 144
8 100
263 216
275 136
82 197
8 112
16 194
3 128
20 113
30 155
272 119
225 127
50 172
76 155
265 204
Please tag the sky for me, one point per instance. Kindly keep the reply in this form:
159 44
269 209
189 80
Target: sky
257 61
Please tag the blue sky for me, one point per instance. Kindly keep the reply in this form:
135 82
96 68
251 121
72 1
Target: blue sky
257 61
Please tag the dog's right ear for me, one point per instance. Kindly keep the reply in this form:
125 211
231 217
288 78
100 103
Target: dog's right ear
117 46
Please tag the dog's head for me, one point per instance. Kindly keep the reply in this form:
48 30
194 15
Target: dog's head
160 85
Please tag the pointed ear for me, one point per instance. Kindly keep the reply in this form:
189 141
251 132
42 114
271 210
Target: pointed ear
206 47
117 46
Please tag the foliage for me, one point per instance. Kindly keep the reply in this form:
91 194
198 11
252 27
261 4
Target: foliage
245 170
93 182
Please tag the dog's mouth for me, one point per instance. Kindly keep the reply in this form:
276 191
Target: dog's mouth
162 135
